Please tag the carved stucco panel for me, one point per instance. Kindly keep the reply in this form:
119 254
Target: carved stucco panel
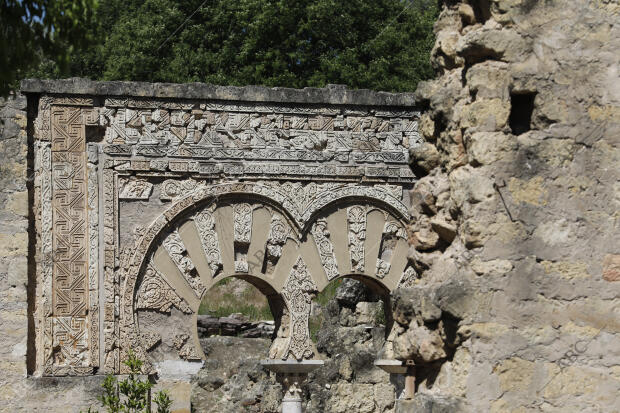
175 247
298 291
79 187
155 293
205 224
356 219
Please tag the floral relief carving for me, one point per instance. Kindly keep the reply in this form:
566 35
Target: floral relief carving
408 279
242 223
320 233
185 348
356 218
156 294
298 291
176 249
242 217
205 224
392 231
278 233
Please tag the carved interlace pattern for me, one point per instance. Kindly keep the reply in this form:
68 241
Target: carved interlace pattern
177 251
242 223
297 293
408 279
278 234
356 217
184 346
391 232
205 224
325 248
156 294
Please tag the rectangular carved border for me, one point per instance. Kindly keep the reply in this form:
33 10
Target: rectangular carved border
66 220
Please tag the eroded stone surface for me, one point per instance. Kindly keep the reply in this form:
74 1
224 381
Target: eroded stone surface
522 239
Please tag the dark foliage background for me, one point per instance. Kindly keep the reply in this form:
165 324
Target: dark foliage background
376 44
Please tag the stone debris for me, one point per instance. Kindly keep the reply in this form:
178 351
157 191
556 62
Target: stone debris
235 325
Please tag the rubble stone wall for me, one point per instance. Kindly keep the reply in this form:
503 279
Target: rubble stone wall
516 219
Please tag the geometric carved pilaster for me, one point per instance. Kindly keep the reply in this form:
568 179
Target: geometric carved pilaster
70 242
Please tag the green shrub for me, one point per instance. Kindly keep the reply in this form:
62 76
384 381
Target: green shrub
131 395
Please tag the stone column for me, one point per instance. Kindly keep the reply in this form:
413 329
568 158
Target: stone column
291 402
291 373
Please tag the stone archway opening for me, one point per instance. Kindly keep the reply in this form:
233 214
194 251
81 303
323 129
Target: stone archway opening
349 325
236 325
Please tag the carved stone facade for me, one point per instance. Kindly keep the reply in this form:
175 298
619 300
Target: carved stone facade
157 197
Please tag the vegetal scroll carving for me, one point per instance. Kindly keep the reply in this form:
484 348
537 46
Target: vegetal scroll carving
298 292
356 217
156 294
205 223
173 243
325 248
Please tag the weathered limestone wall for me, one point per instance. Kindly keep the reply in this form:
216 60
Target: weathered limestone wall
13 235
516 222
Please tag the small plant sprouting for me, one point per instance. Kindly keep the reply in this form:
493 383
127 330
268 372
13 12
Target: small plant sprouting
131 395
163 402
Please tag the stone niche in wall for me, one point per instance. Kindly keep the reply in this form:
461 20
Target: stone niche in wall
146 195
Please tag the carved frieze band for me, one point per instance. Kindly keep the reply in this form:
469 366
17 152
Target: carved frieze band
298 291
258 131
255 170
301 201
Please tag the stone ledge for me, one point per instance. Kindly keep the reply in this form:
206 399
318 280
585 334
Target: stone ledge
332 94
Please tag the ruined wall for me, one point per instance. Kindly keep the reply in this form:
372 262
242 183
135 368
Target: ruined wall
515 231
515 223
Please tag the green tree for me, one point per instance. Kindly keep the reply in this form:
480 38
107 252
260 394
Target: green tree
39 36
377 44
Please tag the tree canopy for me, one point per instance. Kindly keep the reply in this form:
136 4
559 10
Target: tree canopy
35 32
376 44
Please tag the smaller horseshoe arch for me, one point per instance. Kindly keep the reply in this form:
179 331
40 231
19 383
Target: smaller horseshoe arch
260 235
